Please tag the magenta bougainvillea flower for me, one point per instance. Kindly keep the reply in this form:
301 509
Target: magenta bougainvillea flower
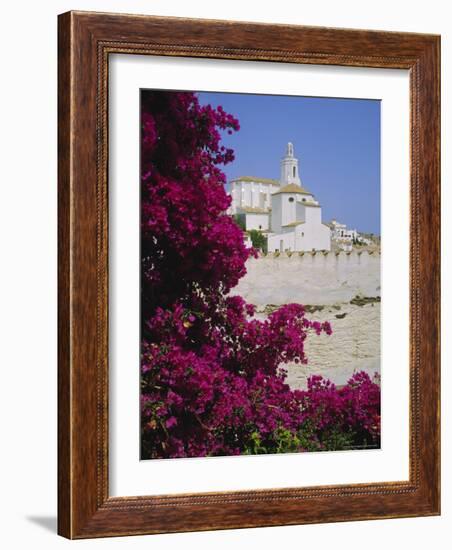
211 376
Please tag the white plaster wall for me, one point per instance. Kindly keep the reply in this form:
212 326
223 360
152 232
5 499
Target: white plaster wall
301 238
300 211
307 278
313 215
310 236
255 198
252 194
281 242
246 194
289 209
253 221
275 218
264 195
273 188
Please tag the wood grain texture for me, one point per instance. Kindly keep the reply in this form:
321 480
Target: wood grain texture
64 295
85 42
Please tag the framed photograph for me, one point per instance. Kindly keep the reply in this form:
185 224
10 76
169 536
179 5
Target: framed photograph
248 275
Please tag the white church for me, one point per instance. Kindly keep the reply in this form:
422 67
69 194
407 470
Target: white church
283 209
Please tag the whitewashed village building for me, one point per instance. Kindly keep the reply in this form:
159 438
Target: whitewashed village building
339 231
344 238
284 209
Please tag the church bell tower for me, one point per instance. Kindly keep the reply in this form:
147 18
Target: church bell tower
289 168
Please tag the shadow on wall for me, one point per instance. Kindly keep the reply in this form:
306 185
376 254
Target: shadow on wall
49 523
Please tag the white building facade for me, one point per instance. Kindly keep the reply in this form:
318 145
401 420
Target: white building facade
251 201
284 209
339 231
344 238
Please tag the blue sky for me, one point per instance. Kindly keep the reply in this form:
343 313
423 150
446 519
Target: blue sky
337 142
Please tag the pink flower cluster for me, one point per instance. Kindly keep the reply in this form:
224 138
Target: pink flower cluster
211 376
352 410
187 239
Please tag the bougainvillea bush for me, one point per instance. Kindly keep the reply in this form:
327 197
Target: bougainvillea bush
211 376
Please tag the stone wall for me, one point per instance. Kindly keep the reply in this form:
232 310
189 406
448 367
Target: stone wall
317 278
343 288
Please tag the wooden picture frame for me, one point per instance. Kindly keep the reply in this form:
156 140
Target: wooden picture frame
86 40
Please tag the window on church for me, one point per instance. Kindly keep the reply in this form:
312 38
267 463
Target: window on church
294 171
290 199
